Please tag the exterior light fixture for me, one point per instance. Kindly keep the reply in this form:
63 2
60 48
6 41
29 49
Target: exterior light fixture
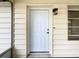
55 11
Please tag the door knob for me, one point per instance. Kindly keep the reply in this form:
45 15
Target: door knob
47 29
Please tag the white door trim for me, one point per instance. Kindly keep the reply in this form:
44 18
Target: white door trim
50 26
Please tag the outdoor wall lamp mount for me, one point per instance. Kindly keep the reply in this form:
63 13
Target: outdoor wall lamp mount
55 11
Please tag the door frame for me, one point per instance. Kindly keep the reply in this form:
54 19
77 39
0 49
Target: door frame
51 24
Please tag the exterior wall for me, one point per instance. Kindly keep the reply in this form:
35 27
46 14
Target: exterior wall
20 30
5 25
60 39
62 47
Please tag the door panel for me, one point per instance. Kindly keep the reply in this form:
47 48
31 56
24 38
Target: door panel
39 26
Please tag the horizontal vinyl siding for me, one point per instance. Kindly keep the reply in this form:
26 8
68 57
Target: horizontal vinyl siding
62 46
5 25
19 31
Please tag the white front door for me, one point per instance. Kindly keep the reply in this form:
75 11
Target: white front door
39 30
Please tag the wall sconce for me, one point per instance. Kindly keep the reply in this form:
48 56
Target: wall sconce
55 11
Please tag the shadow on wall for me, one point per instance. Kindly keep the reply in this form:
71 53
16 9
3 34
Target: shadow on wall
14 53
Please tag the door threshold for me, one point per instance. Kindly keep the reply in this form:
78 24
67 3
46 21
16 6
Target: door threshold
39 55
39 52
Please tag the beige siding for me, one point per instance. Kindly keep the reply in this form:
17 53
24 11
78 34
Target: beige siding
62 46
20 30
5 25
60 32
